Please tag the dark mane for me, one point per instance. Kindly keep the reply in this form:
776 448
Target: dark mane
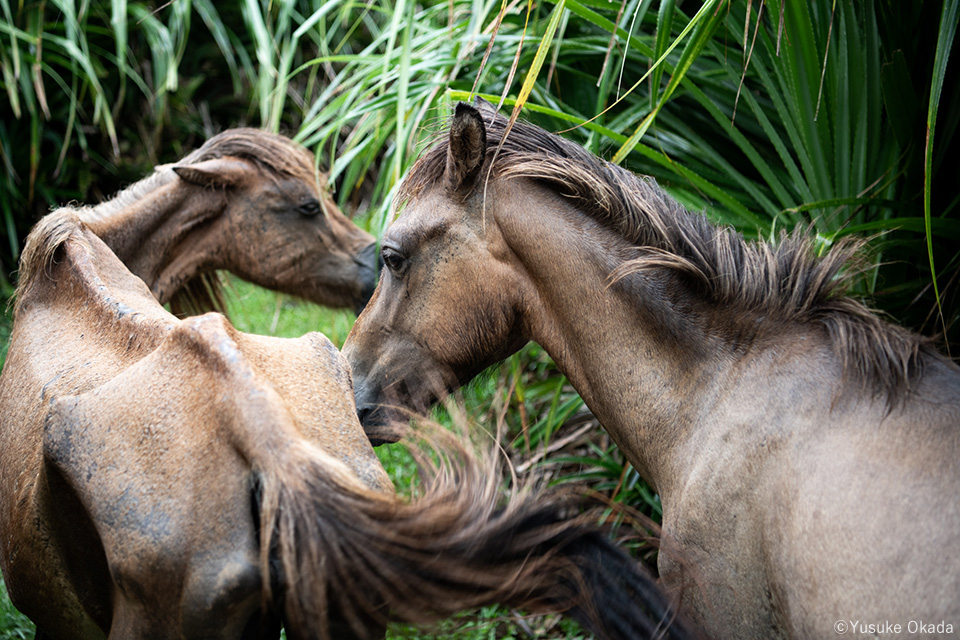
769 284
269 151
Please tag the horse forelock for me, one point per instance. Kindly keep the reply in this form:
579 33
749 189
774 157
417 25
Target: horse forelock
765 284
269 151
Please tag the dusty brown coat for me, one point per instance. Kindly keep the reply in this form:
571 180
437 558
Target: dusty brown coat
805 451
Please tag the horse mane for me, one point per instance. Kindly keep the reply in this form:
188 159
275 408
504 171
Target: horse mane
271 153
767 283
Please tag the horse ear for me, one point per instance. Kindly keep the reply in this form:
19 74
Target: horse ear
468 146
485 106
218 172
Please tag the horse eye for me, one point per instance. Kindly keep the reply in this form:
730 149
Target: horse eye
309 208
393 260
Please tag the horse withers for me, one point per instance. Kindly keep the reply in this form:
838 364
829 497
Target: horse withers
805 451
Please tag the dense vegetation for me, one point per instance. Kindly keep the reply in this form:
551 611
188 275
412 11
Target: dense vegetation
837 117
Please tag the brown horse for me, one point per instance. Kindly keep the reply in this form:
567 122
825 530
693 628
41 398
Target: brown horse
790 433
247 201
166 478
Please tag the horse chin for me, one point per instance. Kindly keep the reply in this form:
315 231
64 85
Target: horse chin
381 426
383 436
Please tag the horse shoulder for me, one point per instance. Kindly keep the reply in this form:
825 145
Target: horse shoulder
802 492
316 384
837 500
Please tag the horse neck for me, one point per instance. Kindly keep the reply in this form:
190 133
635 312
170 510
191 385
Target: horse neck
148 227
643 363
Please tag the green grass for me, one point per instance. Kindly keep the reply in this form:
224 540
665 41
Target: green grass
13 624
256 310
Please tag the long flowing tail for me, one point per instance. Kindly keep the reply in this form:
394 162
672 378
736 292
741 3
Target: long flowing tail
344 553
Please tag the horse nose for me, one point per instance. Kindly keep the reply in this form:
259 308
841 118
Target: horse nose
367 414
370 264
371 416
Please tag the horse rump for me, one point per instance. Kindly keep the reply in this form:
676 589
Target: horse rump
345 559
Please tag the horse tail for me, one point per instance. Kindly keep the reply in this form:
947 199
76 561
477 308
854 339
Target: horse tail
341 552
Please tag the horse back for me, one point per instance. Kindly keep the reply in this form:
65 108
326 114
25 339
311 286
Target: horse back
865 508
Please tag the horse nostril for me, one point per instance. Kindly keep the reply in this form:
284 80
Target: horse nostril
369 416
365 414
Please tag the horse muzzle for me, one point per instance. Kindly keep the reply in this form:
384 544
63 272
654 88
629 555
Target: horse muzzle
379 425
382 422
368 261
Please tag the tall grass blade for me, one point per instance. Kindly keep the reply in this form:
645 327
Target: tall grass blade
664 30
263 49
493 37
403 87
118 20
516 57
826 53
208 13
14 47
535 67
948 29
610 47
704 25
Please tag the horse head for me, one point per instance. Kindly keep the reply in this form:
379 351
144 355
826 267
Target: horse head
296 238
450 299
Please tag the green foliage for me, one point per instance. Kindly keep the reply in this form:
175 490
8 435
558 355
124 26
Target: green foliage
492 623
13 624
97 93
84 87
813 118
256 310
817 124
